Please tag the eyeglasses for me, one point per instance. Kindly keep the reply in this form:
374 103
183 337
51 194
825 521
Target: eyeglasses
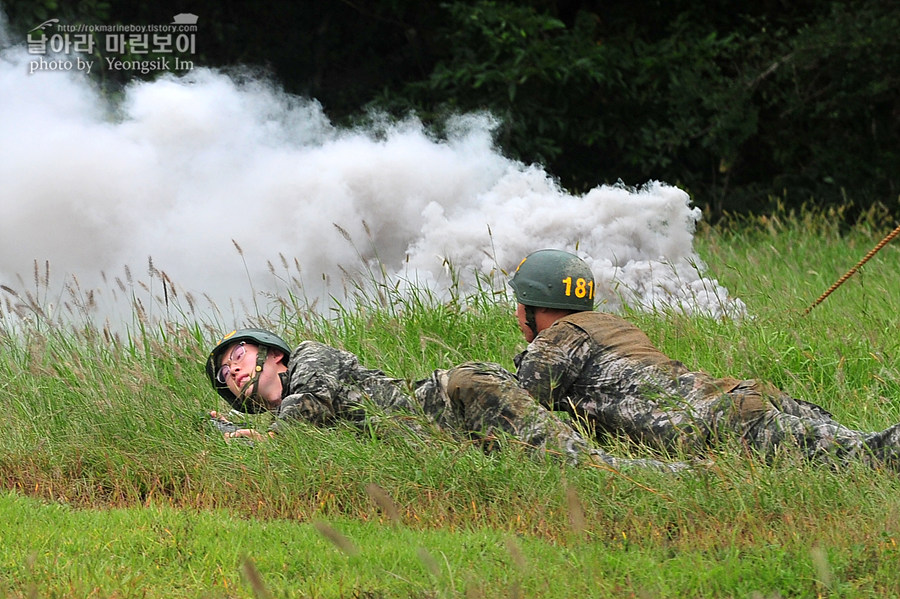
236 354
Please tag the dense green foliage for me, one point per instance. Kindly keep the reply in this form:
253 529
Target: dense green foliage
737 104
110 486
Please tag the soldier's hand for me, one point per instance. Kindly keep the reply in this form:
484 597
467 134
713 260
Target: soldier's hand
249 434
215 415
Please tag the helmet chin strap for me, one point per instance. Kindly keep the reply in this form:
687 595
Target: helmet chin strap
530 320
246 391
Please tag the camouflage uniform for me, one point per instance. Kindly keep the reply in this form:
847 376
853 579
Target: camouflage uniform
604 370
324 384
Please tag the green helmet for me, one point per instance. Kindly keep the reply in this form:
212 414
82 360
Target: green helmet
261 337
554 279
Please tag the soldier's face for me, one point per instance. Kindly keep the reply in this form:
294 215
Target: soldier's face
242 367
523 326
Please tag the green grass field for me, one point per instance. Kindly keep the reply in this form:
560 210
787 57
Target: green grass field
111 485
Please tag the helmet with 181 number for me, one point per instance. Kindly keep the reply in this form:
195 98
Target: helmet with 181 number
259 337
554 279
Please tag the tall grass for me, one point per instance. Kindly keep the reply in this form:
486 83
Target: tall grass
115 488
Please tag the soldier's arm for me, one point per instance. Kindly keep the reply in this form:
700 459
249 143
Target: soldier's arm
549 366
306 406
313 389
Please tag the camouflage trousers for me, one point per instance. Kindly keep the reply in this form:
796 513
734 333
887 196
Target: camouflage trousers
782 420
485 401
760 415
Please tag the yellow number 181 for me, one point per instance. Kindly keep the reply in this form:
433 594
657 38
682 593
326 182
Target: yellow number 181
582 288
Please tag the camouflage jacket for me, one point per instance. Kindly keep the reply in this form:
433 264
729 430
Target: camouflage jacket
324 384
606 371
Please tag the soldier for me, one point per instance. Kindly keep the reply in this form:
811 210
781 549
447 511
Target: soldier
254 370
605 371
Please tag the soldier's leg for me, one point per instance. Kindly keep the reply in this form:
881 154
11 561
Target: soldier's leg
484 398
885 446
479 399
489 399
431 394
818 439
789 405
807 426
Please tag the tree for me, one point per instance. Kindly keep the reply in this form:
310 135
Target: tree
793 100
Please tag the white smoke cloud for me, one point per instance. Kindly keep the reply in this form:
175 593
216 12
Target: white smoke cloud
184 169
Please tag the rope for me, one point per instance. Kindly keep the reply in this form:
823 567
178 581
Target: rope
850 272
